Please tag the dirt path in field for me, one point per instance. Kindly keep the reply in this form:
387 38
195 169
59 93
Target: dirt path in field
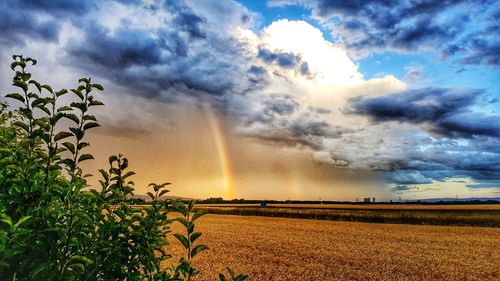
299 249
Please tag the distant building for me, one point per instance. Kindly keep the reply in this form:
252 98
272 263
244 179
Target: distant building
366 200
373 199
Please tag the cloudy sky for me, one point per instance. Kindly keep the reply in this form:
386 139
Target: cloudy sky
280 99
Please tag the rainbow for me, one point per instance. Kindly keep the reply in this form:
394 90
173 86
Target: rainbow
223 156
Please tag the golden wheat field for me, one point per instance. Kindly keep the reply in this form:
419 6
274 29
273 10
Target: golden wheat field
299 249
421 207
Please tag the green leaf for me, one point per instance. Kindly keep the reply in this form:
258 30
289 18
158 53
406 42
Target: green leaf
48 88
26 76
70 146
194 236
33 61
69 162
112 159
95 102
21 84
128 174
57 117
61 92
104 174
182 239
98 86
21 221
198 249
151 195
72 117
13 65
6 219
222 277
77 266
37 85
64 108
241 277
84 157
77 132
22 125
16 96
163 192
81 259
181 209
91 125
44 109
80 105
78 92
38 102
83 145
85 80
89 117
198 214
164 184
191 205
62 135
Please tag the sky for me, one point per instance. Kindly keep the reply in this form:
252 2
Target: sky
280 99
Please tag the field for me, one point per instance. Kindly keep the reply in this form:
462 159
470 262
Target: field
426 207
301 249
453 215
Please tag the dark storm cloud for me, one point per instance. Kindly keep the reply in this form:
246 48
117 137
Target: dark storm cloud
315 129
404 188
18 23
415 105
284 60
125 48
17 27
477 158
483 46
407 177
258 70
281 105
300 132
439 110
485 184
280 119
484 51
185 19
319 110
464 143
58 7
180 57
469 124
466 28
304 69
23 20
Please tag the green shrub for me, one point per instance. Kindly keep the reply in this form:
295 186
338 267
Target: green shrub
53 225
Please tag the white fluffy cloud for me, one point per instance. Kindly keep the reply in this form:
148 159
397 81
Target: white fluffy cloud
305 110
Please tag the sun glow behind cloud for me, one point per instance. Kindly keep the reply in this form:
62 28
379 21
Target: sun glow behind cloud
328 63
